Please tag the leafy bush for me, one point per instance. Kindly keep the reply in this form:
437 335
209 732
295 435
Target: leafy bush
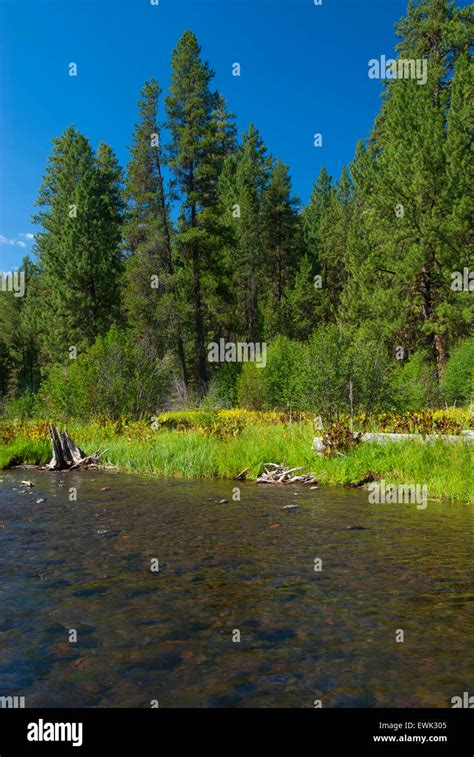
330 375
459 374
414 384
421 422
20 408
250 387
276 385
339 439
114 378
223 387
341 375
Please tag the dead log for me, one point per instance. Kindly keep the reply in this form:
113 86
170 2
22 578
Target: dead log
66 455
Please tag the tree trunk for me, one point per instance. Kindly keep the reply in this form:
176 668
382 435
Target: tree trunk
441 357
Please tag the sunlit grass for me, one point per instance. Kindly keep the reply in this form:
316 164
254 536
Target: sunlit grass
446 468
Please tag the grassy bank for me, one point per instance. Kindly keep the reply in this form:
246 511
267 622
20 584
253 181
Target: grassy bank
191 453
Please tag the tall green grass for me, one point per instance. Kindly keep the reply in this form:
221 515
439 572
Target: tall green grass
24 451
445 468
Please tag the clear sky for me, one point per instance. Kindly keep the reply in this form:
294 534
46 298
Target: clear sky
303 70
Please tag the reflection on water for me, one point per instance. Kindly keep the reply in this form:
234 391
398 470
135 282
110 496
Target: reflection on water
246 566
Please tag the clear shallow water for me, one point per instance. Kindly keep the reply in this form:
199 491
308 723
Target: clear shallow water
245 565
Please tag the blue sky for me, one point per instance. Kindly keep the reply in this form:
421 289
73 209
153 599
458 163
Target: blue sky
303 70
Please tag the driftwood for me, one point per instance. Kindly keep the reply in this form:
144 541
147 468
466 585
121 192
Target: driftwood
67 455
278 474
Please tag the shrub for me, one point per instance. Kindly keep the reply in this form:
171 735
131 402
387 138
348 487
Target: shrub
20 408
339 439
341 375
223 387
459 374
277 384
414 384
250 388
114 378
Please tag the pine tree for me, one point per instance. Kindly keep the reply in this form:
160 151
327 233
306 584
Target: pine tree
244 181
304 302
315 211
150 283
313 219
78 248
195 118
402 261
282 242
459 311
333 240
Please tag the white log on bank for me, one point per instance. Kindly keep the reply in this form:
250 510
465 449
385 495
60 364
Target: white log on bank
465 436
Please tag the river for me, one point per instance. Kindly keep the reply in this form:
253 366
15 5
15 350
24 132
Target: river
86 622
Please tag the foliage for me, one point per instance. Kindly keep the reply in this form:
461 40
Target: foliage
78 246
338 438
115 377
414 383
341 374
459 374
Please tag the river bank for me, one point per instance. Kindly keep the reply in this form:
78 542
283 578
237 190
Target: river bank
445 469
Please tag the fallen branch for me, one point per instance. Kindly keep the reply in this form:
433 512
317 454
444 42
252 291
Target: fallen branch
242 475
282 475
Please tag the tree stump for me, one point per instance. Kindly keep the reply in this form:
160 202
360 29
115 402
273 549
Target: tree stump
66 454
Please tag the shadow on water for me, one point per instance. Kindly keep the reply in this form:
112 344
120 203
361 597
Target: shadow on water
245 566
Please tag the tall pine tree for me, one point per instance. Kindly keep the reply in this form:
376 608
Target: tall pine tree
200 137
150 282
78 246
